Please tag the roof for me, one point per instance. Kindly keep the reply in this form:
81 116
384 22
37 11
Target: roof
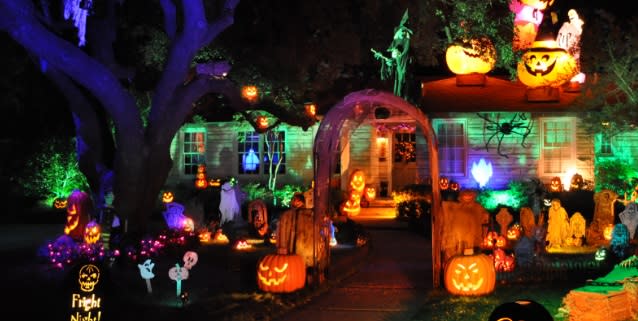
443 95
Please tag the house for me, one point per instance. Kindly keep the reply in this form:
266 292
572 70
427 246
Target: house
494 124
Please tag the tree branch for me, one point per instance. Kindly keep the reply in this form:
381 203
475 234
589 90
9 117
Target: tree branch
170 18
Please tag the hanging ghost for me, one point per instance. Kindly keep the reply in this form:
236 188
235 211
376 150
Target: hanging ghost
228 206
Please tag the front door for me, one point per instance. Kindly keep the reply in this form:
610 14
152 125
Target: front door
403 160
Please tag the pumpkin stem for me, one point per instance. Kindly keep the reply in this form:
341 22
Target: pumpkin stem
469 251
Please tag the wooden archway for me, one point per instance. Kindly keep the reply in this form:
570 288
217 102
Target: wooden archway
339 122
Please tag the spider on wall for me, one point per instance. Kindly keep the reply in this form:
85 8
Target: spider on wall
518 125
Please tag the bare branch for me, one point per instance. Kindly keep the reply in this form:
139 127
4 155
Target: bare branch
170 18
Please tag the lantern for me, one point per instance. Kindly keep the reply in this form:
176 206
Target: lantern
59 203
444 183
281 272
555 185
474 56
250 93
311 109
262 122
92 233
470 274
168 197
546 64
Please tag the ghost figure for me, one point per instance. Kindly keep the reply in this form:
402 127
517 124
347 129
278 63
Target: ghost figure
146 269
569 39
629 217
228 205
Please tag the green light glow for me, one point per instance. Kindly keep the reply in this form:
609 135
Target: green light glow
513 197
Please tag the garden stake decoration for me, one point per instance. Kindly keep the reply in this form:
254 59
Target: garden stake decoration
178 274
190 259
146 271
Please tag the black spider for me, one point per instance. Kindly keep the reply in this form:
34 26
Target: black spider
518 125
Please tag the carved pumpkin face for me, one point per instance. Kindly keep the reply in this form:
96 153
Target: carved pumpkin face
489 241
250 93
357 181
262 122
92 232
215 182
576 183
470 274
546 64
242 245
281 273
601 254
59 203
444 183
311 109
514 232
167 197
204 236
555 185
467 196
371 193
89 277
353 205
471 56
501 241
454 186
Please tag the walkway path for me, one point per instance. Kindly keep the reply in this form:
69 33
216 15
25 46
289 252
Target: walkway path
390 286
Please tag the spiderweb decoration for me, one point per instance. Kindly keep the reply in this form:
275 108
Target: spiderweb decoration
78 10
518 125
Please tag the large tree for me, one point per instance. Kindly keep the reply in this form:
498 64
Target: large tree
133 159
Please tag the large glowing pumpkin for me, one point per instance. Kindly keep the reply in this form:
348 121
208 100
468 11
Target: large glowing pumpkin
556 185
358 181
250 93
92 232
471 56
545 64
281 272
470 274
79 207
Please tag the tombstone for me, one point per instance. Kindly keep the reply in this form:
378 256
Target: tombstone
629 217
528 221
503 218
603 216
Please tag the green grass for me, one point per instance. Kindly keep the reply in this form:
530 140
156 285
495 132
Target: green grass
442 306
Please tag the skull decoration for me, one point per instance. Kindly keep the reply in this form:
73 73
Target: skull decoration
190 259
89 277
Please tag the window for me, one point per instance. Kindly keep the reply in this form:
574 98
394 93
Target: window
194 150
558 146
404 147
450 134
604 145
257 152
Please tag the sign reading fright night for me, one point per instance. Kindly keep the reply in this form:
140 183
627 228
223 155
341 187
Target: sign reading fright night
85 304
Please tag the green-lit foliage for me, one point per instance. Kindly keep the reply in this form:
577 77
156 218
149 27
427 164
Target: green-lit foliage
616 175
515 196
54 172
280 196
284 194
475 18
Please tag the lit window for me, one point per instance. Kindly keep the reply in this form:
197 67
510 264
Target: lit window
194 150
558 146
404 147
262 154
450 134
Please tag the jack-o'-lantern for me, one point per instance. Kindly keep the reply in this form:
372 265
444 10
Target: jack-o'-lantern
200 177
370 193
455 187
601 254
168 197
242 245
204 235
352 206
545 64
59 203
79 206
514 232
220 237
555 185
489 241
89 276
444 183
262 122
357 181
214 182
188 225
470 274
501 241
92 233
502 261
311 109
250 93
471 56
576 183
281 272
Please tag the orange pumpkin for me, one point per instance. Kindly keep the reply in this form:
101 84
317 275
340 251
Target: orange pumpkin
555 185
470 274
546 64
79 207
262 122
250 93
357 181
281 272
576 183
471 56
444 183
168 197
92 233
59 203
514 232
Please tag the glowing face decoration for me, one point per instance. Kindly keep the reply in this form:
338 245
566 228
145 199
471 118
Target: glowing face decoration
167 197
444 183
281 273
473 56
146 269
92 232
472 274
468 277
72 219
190 259
357 181
277 279
546 64
59 203
250 93
262 122
555 184
89 277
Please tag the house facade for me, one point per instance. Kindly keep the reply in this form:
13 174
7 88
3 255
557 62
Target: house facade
491 129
